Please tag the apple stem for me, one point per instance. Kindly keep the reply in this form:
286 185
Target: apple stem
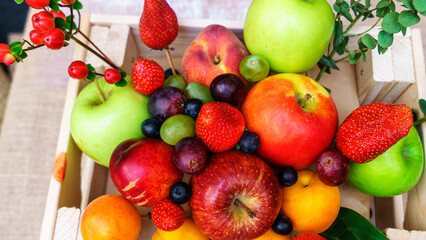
169 58
101 94
245 208
304 100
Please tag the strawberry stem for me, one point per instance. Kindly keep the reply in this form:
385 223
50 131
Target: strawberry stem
169 58
238 203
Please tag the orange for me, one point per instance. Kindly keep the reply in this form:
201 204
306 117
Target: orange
271 235
110 217
311 205
188 231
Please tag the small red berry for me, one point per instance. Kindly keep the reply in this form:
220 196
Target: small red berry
54 38
38 4
167 216
43 21
8 59
68 1
36 37
4 49
78 70
59 14
112 76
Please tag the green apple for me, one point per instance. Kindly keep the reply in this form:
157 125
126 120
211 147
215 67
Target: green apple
392 173
291 34
98 127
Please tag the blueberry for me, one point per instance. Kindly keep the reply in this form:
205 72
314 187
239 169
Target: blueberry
192 107
287 176
180 193
282 225
249 142
151 128
169 72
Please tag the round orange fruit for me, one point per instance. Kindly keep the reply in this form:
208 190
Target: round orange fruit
110 217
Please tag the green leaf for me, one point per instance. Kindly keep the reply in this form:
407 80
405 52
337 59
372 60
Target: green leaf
403 31
392 7
123 74
382 12
19 1
14 44
59 22
68 23
408 4
337 8
369 41
328 62
350 225
54 6
368 3
361 45
121 83
407 18
23 55
347 15
385 39
422 104
360 8
423 13
16 50
420 6
77 5
90 68
383 4
390 23
91 76
354 56
381 49
342 46
364 57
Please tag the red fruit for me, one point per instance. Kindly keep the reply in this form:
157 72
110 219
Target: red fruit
38 4
54 38
59 14
371 129
158 25
9 59
68 1
219 125
112 76
147 76
36 37
43 21
167 216
4 49
78 70
308 236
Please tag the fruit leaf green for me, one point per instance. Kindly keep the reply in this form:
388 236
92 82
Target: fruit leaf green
91 76
68 23
381 49
14 44
77 5
385 39
407 18
422 104
19 1
16 50
350 225
90 68
54 6
390 23
328 62
369 41
59 22
354 56
408 4
121 83
420 6
383 4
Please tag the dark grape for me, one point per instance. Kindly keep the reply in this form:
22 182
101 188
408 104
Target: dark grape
249 142
332 167
151 128
282 225
190 155
166 102
180 193
287 176
169 72
228 88
192 107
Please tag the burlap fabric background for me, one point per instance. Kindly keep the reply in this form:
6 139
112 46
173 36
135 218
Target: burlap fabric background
34 108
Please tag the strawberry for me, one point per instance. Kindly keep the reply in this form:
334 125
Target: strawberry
147 76
308 236
167 216
219 125
158 25
371 129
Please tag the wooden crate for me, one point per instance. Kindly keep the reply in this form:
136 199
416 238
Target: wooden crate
118 36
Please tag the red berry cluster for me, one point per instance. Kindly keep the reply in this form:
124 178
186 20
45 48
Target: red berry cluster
6 55
45 31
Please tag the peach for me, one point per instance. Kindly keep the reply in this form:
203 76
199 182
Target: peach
187 231
214 51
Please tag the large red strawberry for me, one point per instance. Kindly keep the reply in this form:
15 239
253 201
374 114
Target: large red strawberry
167 216
147 76
371 129
158 25
219 125
308 236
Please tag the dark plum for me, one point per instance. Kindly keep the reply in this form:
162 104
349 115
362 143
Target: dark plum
287 176
192 107
228 88
166 102
180 192
190 155
151 128
282 225
332 167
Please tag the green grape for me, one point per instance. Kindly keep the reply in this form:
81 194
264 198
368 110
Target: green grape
198 91
254 68
177 127
176 81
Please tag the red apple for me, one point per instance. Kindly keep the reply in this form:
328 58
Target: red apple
214 51
294 116
237 196
143 170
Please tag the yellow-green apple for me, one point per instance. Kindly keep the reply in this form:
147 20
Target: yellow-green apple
294 116
214 51
291 34
237 196
394 172
311 205
97 127
143 170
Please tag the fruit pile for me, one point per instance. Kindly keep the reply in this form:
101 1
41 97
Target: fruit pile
263 150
